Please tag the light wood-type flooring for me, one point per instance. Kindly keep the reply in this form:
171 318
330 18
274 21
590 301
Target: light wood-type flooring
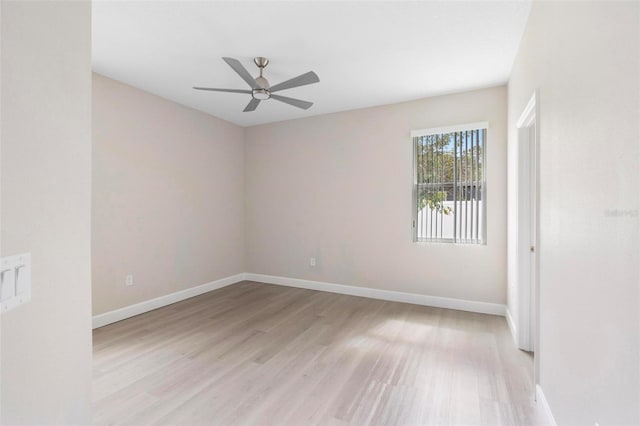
258 354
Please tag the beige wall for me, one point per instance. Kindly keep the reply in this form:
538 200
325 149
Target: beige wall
583 58
338 187
168 203
46 200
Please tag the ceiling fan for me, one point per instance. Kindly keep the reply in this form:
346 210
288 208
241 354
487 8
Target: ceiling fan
260 88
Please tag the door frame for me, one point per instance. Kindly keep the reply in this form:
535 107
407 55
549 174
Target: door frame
527 229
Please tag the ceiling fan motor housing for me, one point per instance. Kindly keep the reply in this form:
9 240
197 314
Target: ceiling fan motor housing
262 82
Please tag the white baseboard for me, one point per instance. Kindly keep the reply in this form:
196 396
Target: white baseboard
373 293
512 325
149 305
544 405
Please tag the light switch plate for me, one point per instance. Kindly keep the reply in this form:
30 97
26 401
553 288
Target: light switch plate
7 282
15 281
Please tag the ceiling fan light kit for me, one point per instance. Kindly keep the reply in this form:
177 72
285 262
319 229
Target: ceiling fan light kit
261 94
261 90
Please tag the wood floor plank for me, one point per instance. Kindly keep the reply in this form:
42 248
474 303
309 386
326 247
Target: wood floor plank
258 354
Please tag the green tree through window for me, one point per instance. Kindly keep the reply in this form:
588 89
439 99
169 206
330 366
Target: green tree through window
449 186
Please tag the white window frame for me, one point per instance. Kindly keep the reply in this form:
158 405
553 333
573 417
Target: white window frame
442 130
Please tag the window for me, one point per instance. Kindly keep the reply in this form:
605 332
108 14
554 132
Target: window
449 192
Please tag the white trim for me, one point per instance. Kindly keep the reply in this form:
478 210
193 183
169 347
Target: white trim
374 293
512 325
101 320
544 405
529 113
149 305
450 129
527 214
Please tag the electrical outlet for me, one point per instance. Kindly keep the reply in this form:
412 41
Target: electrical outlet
128 281
312 261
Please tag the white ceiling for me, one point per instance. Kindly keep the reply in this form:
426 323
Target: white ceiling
365 53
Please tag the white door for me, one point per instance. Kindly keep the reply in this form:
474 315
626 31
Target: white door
527 229
533 233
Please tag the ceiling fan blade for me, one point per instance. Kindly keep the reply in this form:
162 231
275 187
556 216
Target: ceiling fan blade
301 80
252 105
223 90
242 72
295 102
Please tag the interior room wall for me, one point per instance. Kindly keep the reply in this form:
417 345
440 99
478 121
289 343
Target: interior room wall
583 59
46 200
338 187
168 204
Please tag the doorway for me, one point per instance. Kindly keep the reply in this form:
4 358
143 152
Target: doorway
527 227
